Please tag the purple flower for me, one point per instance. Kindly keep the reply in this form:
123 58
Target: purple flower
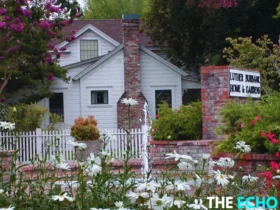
71 38
79 15
3 11
48 58
2 25
26 13
55 9
1 57
12 49
50 77
16 27
7 19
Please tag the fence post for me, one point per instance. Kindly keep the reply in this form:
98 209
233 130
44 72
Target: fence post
39 142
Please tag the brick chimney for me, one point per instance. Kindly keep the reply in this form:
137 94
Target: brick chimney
132 80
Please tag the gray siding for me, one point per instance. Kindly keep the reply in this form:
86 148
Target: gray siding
108 76
156 76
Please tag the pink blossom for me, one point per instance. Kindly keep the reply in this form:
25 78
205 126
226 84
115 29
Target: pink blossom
48 58
62 49
2 25
54 9
243 125
50 77
272 139
51 46
71 38
12 49
45 25
79 15
63 23
3 11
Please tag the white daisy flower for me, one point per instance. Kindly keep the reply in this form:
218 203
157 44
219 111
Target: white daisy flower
276 177
184 166
197 205
157 203
242 147
205 156
178 156
197 180
249 178
62 197
225 162
77 144
129 101
63 166
178 185
93 160
221 179
119 204
8 208
179 203
93 169
147 186
134 196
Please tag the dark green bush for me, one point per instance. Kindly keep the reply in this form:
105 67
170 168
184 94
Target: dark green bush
255 122
181 124
27 117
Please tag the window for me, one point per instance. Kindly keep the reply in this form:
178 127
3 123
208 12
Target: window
99 97
163 96
56 104
89 49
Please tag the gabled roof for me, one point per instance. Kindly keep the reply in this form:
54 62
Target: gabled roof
112 28
95 30
99 61
92 60
165 62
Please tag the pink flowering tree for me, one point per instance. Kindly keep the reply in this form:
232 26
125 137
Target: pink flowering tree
28 60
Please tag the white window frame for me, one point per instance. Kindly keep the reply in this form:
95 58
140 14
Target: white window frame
100 88
89 39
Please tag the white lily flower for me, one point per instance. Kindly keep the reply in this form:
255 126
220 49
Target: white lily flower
93 160
197 205
62 197
129 101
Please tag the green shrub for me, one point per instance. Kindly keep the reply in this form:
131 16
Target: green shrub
256 122
27 117
181 124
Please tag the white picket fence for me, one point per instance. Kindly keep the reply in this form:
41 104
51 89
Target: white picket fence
45 143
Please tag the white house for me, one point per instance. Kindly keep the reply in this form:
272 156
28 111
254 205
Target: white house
111 60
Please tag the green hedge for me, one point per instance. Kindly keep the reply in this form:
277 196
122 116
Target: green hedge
180 124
